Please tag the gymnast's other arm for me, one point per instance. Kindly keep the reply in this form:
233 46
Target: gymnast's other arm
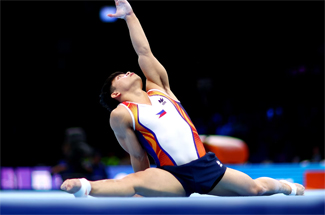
154 72
121 123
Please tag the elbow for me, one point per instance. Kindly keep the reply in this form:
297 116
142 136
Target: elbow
140 156
144 51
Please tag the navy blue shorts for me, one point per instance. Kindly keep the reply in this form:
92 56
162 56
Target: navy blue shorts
198 176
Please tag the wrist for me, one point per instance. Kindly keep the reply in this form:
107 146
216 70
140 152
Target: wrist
129 16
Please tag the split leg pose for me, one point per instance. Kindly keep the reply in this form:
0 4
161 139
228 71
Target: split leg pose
154 122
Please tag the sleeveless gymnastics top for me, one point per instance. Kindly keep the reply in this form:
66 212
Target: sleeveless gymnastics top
165 130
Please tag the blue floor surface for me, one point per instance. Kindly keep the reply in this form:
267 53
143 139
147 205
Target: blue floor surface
58 202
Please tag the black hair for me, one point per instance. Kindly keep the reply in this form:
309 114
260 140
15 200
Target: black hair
105 98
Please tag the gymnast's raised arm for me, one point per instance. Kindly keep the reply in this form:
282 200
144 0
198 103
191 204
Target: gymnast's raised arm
154 72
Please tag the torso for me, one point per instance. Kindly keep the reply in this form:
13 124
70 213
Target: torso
165 130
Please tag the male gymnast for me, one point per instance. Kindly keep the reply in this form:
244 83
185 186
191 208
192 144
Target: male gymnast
154 122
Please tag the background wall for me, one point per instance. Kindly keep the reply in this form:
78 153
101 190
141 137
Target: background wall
253 70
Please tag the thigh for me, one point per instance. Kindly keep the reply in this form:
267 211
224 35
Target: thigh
155 182
235 183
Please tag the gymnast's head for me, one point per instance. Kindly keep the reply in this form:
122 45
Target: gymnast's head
117 87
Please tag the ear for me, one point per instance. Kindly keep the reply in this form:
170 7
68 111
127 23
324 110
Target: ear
115 94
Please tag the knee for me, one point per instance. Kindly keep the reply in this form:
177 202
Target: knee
135 180
129 184
129 180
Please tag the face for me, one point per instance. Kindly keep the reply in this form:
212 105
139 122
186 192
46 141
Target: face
126 82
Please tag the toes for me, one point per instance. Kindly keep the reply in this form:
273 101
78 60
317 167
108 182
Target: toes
300 189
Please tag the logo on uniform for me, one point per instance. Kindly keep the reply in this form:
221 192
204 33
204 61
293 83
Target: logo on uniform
161 101
161 113
218 162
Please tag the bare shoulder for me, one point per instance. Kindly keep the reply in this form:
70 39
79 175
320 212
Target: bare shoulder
118 112
120 117
150 85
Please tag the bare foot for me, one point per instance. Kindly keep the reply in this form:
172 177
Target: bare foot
300 189
71 185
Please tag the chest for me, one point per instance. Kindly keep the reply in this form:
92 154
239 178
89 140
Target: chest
161 113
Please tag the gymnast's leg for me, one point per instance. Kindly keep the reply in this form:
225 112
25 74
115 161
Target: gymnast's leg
152 182
236 183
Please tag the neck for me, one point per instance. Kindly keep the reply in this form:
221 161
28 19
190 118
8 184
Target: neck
138 96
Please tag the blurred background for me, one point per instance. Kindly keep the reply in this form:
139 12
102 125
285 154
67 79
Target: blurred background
250 70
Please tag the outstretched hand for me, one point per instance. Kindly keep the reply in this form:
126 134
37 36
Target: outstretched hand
123 8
